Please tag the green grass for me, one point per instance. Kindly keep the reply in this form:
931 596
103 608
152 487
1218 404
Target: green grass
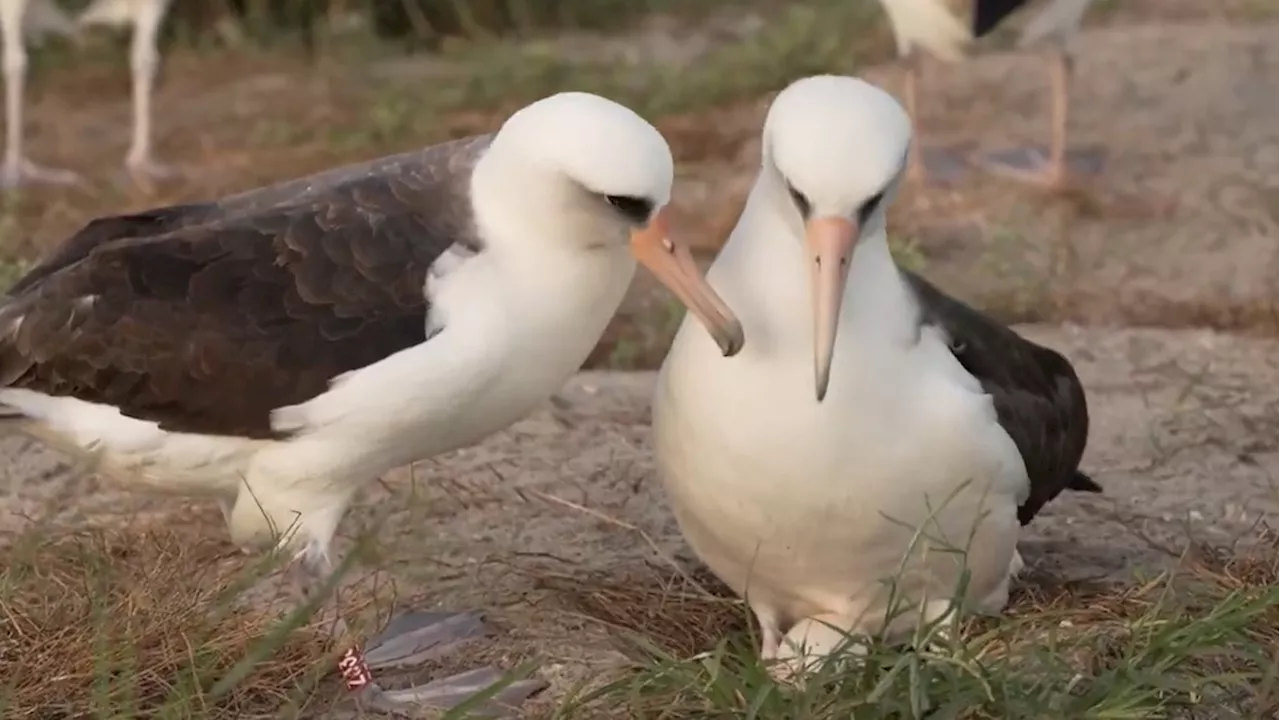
1193 644
165 623
141 623
818 37
500 75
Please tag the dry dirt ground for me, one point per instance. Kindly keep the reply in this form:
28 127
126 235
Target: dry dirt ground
1180 231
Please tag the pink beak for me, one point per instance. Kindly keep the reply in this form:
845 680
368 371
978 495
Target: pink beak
830 241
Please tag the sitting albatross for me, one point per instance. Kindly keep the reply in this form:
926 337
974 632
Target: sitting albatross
866 403
279 349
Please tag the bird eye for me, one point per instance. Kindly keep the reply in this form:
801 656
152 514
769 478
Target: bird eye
802 202
636 209
869 207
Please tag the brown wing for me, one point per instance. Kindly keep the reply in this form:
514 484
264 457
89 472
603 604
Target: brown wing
1038 397
148 223
205 318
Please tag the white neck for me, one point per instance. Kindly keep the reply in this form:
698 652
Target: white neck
763 274
558 263
877 302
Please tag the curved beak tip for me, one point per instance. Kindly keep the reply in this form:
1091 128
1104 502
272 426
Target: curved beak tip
732 340
821 382
674 266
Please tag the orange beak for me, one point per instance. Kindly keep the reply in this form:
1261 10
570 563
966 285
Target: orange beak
830 242
673 264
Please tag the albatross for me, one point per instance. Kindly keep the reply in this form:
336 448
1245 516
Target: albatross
279 349
947 29
20 16
868 403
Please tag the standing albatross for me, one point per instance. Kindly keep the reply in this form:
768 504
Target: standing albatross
279 349
145 16
866 401
947 28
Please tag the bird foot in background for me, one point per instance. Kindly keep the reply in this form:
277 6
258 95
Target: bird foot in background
24 172
146 173
1031 165
415 638
936 166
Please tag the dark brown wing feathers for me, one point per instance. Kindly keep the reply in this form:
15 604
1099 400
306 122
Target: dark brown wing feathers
1038 397
103 230
207 317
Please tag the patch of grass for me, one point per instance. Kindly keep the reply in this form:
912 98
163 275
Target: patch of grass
143 621
640 340
495 77
906 252
1236 11
410 23
1196 642
11 270
141 624
823 36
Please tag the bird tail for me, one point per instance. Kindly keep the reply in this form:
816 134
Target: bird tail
929 24
1083 483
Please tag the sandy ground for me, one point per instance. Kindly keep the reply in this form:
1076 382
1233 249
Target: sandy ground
1184 427
1183 439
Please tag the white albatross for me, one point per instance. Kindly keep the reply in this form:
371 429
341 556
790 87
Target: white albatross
866 403
279 349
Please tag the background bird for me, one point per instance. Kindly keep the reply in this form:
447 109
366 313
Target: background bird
21 18
946 29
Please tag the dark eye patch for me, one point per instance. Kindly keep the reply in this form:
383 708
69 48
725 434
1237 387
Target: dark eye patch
636 209
869 207
802 202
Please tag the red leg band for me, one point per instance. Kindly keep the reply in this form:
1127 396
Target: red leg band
355 672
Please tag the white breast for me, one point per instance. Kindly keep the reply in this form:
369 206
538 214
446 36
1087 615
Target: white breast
509 341
806 506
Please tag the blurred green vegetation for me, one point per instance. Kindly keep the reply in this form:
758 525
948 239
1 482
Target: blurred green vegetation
414 24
